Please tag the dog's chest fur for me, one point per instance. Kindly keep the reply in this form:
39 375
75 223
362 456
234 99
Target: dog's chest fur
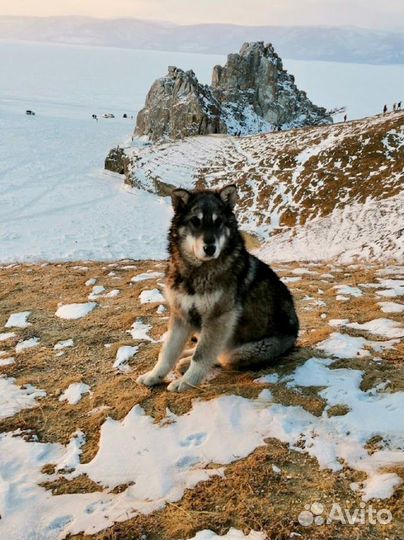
194 307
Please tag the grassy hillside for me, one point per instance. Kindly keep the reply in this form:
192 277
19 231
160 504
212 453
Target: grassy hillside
350 173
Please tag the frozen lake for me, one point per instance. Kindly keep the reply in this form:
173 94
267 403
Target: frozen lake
56 201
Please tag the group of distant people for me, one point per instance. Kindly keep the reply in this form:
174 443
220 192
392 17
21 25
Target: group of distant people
396 107
109 115
29 112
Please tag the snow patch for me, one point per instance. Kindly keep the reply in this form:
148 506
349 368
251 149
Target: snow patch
151 296
140 331
74 392
344 346
123 355
147 275
391 307
4 336
18 320
75 311
27 344
14 398
63 344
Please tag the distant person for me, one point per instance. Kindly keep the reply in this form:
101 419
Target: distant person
394 107
399 105
124 115
345 117
385 109
95 117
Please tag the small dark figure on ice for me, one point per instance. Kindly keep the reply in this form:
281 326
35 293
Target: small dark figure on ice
29 112
95 117
385 109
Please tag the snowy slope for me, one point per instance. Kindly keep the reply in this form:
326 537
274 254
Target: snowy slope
311 194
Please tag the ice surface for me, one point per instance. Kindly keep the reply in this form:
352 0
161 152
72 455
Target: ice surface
57 201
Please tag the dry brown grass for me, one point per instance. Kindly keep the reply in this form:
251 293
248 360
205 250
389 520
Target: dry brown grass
353 168
251 495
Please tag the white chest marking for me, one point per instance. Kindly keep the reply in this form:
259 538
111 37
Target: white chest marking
203 303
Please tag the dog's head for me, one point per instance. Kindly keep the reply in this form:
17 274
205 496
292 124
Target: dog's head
203 221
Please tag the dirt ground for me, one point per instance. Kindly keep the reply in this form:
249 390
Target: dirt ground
251 495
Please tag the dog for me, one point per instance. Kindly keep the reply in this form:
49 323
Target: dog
243 314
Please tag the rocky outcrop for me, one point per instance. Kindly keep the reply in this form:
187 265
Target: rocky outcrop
178 106
252 93
117 161
254 82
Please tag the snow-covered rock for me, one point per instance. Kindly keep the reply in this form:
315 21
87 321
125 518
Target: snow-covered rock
250 94
257 94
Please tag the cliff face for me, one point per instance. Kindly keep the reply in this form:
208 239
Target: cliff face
254 81
178 106
252 93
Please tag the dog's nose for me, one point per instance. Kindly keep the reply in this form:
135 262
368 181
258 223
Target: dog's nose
209 249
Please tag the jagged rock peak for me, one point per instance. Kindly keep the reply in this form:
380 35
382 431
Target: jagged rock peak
177 106
252 93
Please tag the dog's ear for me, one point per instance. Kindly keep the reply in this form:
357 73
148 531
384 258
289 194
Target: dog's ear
179 198
228 194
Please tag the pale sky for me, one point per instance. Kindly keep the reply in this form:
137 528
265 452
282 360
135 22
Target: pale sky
365 13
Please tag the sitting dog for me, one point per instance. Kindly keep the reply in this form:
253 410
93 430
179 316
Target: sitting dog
241 311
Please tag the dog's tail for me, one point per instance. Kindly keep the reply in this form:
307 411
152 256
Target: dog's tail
256 353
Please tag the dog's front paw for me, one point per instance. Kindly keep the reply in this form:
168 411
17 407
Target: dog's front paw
179 385
149 379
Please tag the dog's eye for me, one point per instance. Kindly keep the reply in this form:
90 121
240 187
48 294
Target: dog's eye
195 221
218 221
